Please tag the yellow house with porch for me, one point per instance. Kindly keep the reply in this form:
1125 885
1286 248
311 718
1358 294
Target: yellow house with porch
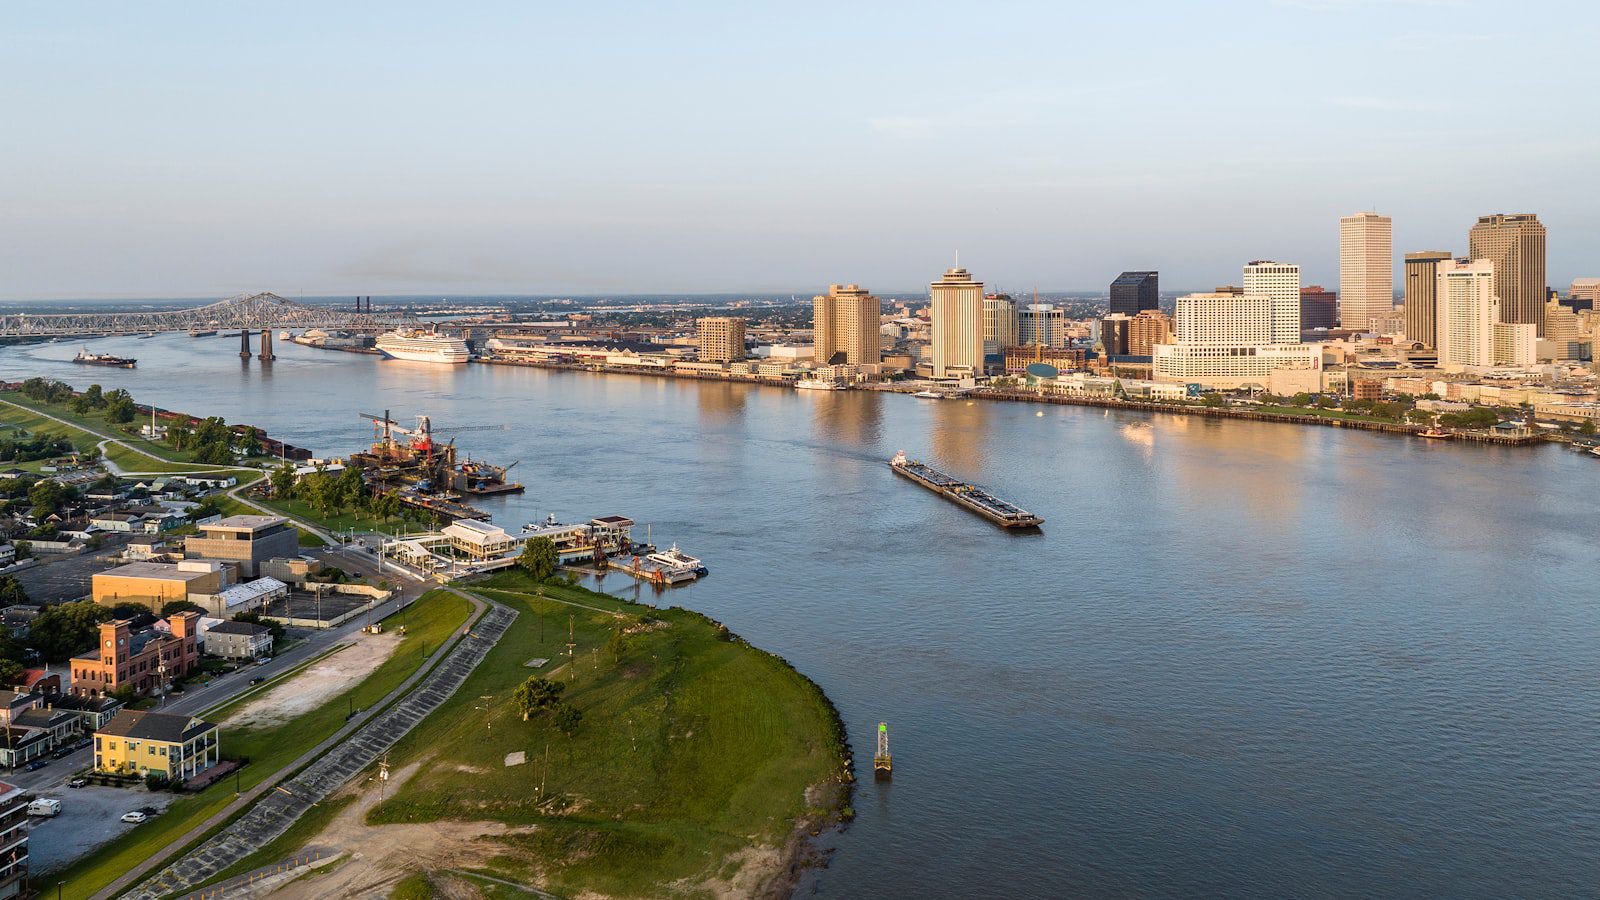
137 742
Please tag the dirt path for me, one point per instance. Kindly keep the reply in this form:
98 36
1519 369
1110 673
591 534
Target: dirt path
312 686
377 857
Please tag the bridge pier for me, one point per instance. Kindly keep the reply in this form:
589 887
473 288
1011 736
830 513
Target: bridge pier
244 343
266 345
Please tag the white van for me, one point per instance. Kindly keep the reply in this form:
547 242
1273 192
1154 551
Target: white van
44 806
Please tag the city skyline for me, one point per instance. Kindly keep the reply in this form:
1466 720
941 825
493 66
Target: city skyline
415 151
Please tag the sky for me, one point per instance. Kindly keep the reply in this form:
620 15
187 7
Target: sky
201 149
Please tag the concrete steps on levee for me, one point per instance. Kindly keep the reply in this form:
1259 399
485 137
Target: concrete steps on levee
273 815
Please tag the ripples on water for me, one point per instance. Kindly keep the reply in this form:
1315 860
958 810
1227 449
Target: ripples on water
1241 660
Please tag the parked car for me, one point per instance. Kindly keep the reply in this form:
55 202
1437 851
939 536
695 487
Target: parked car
77 782
36 765
257 680
63 752
135 817
84 744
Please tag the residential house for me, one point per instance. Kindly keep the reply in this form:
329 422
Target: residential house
239 640
141 743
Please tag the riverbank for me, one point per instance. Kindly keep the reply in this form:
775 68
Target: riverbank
700 764
1309 416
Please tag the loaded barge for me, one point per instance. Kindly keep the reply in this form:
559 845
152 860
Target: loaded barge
974 498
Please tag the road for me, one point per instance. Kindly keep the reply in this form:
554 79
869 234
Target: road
225 687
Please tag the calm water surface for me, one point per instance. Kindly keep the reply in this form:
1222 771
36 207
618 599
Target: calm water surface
1243 660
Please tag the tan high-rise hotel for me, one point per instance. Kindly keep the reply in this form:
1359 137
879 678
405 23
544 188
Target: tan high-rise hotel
1422 296
721 338
1515 244
957 312
845 324
1366 270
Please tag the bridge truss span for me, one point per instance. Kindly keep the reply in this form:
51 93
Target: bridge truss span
241 312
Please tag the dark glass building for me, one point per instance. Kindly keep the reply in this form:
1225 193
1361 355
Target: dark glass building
1319 308
1134 292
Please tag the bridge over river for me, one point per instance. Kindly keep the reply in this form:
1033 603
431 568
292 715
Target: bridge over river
244 312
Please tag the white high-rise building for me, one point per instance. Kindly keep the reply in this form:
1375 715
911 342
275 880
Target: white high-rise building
1466 313
1224 340
1516 343
1280 283
1366 271
957 313
1042 325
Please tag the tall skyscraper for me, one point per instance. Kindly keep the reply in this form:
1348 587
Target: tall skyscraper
1134 292
1422 295
1515 244
1366 270
1148 329
1280 284
1466 313
720 338
956 308
999 323
845 324
1042 325
1319 307
1116 334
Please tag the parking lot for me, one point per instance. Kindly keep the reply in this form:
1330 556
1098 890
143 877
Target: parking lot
59 579
90 816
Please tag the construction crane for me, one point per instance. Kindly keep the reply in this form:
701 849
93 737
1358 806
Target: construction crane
385 428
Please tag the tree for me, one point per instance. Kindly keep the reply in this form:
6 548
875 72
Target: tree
1212 400
11 591
616 646
94 395
539 558
1587 429
178 606
66 628
214 454
46 497
10 671
535 695
282 481
567 719
119 406
1300 399
256 618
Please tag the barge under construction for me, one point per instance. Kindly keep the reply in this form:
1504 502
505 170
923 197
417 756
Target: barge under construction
974 498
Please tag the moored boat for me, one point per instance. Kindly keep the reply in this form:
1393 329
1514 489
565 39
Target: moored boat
817 384
1435 434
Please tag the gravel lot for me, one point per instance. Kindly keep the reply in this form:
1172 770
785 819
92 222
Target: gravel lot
89 817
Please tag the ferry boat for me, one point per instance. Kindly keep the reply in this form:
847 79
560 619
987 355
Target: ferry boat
86 358
817 384
970 496
929 395
423 346
1435 434
677 560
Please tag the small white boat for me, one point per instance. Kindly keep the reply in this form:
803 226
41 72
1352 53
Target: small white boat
929 395
817 384
675 560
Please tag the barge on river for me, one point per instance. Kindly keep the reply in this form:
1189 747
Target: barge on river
974 498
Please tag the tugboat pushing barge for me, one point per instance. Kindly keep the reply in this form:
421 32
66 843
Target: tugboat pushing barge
970 496
85 358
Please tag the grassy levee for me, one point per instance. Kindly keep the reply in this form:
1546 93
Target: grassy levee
693 747
34 423
429 622
95 424
231 506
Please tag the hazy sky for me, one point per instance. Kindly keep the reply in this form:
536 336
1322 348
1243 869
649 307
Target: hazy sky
200 149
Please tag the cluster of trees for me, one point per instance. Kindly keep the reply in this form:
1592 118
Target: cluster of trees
117 405
255 618
66 628
542 697
331 493
212 441
45 390
1476 417
27 448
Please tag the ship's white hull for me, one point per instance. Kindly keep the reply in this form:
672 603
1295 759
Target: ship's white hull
427 356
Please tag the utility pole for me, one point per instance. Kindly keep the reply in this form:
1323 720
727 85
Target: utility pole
571 644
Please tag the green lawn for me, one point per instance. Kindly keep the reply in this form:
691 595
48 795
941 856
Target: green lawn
135 461
231 506
1314 412
691 748
34 423
429 622
341 521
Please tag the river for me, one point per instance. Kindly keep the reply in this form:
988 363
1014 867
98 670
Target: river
1241 659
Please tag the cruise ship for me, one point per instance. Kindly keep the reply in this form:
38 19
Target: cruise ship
423 346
